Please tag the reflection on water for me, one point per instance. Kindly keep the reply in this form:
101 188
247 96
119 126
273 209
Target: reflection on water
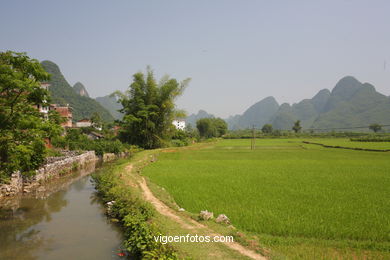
64 220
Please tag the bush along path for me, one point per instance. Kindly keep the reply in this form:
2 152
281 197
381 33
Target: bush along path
124 205
144 217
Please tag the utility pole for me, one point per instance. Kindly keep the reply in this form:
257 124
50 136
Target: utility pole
253 138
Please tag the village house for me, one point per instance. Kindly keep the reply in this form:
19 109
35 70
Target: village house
84 123
65 112
179 124
44 110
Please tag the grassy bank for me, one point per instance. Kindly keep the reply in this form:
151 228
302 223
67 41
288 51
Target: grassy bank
132 212
301 200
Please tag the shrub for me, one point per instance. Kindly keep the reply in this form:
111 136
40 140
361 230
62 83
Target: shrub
372 139
134 215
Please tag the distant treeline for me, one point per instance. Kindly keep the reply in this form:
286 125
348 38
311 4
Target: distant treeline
354 136
385 138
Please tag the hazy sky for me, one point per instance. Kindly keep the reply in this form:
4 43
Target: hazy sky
236 52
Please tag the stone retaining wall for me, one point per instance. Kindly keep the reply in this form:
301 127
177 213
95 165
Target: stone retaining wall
14 187
109 157
48 171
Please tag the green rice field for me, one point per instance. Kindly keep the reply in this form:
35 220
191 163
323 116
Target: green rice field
285 190
352 144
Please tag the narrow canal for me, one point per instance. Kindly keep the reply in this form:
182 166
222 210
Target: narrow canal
63 220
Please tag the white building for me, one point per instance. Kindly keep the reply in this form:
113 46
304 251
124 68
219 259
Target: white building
44 109
84 123
179 124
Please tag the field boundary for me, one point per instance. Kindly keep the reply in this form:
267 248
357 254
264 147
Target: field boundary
349 148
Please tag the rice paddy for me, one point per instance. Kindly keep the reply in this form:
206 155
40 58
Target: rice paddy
285 189
352 144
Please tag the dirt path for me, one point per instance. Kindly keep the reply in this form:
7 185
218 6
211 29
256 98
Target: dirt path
189 223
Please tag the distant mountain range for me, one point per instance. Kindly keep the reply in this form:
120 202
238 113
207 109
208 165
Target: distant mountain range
111 104
77 97
80 89
349 104
191 119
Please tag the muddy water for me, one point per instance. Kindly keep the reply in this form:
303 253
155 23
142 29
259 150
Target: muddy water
63 220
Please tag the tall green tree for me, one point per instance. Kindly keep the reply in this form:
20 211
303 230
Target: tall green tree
149 109
221 126
297 126
23 129
96 120
211 127
375 127
267 129
206 128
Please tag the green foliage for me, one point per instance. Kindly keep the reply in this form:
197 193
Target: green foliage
134 215
192 133
62 93
211 127
96 120
53 153
184 138
267 128
372 139
375 127
149 110
297 126
76 139
22 128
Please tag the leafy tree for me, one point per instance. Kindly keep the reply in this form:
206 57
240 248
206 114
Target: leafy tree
23 130
211 127
297 126
96 120
375 127
191 132
267 129
188 128
206 128
149 109
221 126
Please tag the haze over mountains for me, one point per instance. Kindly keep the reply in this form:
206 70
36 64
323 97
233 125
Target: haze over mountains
349 104
111 104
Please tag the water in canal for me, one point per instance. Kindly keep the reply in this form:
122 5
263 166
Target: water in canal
63 220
